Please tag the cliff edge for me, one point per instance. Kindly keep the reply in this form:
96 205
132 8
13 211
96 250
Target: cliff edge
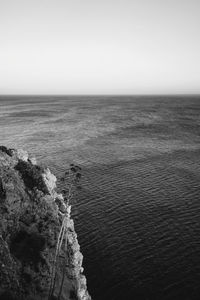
34 263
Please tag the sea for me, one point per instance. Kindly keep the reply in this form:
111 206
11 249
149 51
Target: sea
137 213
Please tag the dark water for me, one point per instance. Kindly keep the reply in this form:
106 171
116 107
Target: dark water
138 213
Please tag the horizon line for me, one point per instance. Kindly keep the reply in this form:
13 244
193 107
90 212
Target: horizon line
100 95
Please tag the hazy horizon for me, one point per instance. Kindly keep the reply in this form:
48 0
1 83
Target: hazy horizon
127 47
103 95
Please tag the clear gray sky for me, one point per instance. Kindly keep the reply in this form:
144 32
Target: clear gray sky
99 46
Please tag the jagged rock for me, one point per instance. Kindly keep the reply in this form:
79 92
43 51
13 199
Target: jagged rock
49 180
32 160
22 155
31 214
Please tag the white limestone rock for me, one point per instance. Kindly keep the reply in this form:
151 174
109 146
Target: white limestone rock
49 180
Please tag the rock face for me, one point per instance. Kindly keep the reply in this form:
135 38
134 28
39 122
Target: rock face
31 215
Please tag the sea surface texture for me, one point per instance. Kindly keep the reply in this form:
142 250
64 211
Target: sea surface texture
138 213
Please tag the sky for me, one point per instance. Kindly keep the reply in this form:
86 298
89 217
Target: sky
99 46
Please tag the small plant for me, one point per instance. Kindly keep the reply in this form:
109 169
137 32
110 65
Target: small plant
2 189
71 179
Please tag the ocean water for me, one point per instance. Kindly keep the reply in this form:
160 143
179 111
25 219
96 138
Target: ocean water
138 213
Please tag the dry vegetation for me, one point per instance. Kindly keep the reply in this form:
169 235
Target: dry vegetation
71 181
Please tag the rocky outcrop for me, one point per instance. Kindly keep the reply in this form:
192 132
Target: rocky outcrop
31 216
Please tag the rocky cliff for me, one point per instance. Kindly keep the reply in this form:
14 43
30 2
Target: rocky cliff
40 256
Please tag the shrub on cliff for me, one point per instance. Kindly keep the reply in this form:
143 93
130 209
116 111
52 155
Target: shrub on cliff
2 189
31 175
6 150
